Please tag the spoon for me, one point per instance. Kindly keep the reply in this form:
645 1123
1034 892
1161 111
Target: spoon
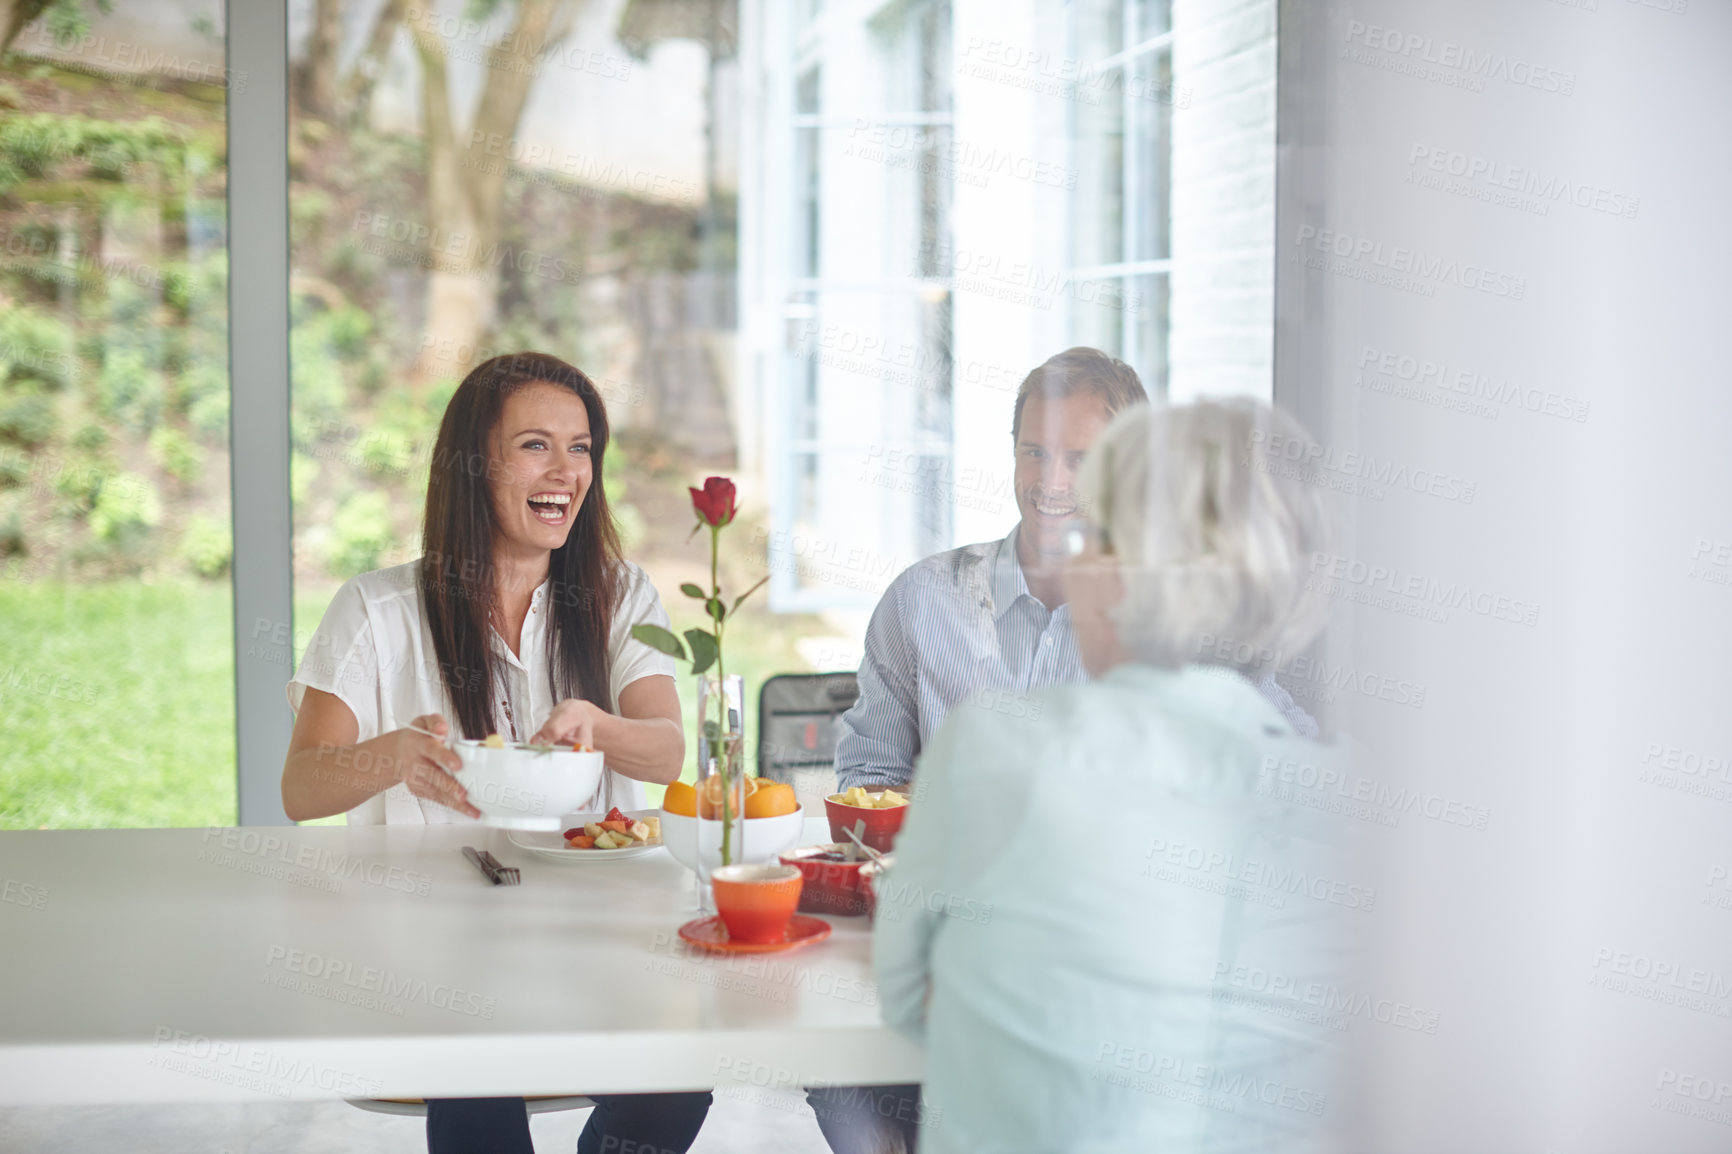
855 834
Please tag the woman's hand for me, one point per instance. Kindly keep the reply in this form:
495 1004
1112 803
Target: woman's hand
572 722
425 765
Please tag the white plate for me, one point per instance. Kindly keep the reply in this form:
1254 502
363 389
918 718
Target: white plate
552 844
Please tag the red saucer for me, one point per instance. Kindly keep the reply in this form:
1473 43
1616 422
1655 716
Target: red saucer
710 934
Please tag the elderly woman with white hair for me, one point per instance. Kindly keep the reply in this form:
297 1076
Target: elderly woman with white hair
1106 918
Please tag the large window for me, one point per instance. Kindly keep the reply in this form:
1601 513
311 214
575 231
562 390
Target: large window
813 245
116 644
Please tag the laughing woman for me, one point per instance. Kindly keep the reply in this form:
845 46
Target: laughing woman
516 620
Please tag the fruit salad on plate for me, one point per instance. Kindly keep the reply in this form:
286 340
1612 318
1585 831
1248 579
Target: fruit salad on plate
615 831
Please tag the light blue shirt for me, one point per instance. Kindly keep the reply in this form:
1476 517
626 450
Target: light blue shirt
1129 939
961 626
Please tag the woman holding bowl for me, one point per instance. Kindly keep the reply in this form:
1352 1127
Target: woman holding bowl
516 620
1085 907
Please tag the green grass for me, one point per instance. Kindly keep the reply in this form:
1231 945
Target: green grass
116 705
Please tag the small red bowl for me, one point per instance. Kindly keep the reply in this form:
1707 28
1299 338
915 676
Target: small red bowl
831 887
882 825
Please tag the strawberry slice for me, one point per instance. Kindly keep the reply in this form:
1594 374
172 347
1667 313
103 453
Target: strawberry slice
615 815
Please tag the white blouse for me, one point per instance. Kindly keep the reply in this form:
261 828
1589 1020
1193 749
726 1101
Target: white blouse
374 651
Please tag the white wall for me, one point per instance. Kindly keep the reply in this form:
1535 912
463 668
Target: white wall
1594 858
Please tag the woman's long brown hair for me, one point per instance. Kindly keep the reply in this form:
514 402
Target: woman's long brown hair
457 575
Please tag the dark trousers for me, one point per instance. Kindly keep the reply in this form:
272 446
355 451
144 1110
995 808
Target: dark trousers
868 1119
619 1124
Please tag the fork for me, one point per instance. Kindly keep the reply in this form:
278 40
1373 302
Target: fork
499 875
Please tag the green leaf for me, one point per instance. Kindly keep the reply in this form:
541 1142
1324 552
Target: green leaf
704 649
691 590
749 592
716 608
660 640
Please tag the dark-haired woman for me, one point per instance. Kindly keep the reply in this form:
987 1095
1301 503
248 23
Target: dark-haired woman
516 620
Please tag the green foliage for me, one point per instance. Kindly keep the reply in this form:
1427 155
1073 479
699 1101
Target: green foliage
12 542
176 455
27 417
34 345
127 508
303 471
207 546
32 143
130 389
361 534
90 439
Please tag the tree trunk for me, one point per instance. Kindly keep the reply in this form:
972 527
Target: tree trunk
364 74
464 185
15 16
319 72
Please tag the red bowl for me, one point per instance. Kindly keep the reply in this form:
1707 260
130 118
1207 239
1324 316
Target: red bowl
831 887
882 825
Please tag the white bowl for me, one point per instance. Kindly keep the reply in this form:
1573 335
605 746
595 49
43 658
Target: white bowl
520 788
766 838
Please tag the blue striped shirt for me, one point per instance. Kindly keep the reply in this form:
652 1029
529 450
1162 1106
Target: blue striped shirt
961 627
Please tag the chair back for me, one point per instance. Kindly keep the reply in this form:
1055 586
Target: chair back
799 719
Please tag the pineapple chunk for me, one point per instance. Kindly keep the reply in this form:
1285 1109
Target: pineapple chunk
639 831
593 829
494 741
890 799
655 828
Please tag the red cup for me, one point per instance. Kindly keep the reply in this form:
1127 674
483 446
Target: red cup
882 825
756 901
830 887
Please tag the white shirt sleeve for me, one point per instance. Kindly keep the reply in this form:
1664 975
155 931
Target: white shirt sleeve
628 658
342 659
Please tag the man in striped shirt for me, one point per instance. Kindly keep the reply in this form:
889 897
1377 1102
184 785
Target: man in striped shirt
987 624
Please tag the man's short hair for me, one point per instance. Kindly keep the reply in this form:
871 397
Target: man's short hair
1074 370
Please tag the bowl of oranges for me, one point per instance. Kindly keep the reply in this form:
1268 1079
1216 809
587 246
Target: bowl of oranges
774 821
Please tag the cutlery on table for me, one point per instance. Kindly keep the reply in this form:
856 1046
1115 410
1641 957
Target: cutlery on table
499 875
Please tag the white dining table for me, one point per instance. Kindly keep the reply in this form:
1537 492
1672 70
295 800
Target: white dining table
187 965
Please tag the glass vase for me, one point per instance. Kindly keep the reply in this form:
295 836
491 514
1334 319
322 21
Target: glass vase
721 776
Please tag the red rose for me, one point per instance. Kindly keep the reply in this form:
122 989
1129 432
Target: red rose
715 501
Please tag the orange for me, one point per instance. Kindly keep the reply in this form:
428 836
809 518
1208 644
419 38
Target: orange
681 798
773 799
710 797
